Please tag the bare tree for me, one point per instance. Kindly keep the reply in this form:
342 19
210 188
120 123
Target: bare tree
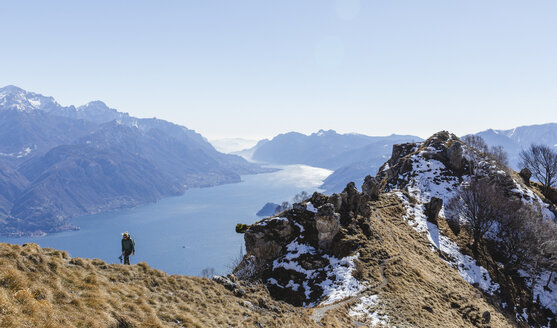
541 160
514 235
499 154
541 249
300 197
476 142
480 205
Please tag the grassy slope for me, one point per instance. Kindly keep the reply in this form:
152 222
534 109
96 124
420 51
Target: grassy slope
416 278
46 288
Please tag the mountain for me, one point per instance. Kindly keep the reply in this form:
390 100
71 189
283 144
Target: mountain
352 156
398 252
326 149
514 140
60 162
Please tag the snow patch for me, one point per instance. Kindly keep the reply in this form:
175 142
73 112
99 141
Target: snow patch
369 308
338 283
310 207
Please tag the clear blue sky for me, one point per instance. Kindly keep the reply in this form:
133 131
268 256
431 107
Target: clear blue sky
257 68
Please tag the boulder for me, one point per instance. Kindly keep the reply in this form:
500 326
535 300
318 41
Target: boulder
327 224
486 316
454 156
371 187
525 174
432 209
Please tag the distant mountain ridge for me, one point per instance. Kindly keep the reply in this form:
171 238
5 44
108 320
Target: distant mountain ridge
327 149
352 156
59 162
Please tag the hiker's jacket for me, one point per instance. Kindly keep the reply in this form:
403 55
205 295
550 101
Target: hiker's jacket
128 244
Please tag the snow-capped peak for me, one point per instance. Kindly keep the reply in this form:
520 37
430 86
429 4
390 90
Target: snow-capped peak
12 97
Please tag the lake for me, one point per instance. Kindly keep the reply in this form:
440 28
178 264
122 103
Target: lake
188 233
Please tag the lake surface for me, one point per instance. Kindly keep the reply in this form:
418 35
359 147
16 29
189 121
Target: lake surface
185 234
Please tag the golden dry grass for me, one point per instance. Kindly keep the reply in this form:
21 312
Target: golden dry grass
45 288
416 277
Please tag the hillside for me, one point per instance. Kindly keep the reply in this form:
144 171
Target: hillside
60 162
47 288
395 254
381 257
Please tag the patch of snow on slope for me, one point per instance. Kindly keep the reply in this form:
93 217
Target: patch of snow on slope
430 181
547 297
344 285
369 308
466 266
339 282
19 154
529 197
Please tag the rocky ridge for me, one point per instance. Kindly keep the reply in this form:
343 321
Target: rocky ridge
350 256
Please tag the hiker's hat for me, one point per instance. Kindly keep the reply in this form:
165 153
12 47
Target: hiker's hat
125 234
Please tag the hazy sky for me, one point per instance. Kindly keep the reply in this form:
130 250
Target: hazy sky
257 68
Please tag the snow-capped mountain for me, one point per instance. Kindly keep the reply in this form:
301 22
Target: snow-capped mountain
12 97
58 162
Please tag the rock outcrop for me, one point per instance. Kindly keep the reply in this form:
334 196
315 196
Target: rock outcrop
432 209
371 187
267 241
525 174
327 224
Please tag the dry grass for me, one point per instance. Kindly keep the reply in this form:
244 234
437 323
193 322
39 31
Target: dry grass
45 288
422 290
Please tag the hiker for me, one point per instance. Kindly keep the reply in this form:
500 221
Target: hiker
128 247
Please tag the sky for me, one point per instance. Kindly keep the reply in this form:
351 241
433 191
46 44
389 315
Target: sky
253 69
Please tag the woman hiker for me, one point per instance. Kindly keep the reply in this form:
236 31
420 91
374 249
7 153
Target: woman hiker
128 247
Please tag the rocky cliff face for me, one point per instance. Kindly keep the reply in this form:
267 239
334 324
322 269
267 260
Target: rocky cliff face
391 254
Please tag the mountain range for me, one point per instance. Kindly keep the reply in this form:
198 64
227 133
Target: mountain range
59 162
353 156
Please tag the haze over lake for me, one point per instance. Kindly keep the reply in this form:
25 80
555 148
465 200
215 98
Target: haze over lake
185 234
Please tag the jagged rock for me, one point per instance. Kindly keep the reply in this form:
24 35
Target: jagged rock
432 209
371 187
526 174
350 198
266 241
336 200
454 154
327 224
318 199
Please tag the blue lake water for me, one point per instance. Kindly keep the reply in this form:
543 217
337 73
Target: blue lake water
185 234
